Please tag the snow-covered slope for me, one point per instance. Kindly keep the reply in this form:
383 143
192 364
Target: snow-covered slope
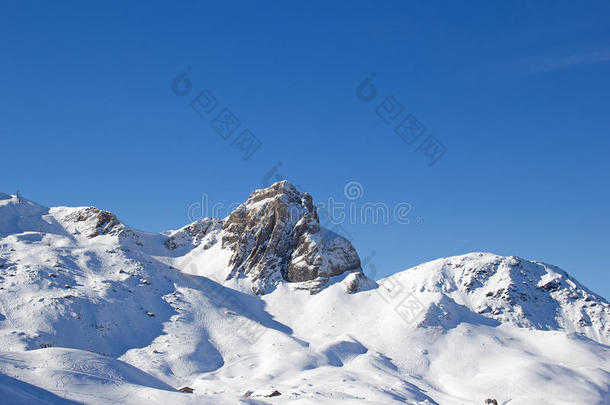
266 300
507 290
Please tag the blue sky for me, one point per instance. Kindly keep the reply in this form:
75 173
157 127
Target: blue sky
518 94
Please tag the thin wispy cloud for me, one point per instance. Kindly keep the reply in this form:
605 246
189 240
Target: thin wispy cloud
544 62
578 59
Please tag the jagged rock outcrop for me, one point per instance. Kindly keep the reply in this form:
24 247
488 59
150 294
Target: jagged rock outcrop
96 222
357 281
276 235
199 232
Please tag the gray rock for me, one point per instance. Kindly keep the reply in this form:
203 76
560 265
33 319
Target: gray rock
276 235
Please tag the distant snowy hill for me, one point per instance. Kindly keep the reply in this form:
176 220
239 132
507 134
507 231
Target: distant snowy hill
507 290
267 307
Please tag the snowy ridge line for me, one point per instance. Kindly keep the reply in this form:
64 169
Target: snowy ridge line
259 303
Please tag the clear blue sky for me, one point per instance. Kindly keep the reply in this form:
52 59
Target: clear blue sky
518 93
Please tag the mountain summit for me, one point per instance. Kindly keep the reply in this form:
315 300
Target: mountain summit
275 236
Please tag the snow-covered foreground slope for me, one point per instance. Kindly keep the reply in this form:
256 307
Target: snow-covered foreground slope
266 300
54 374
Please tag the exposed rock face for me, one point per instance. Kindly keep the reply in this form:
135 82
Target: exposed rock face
96 222
355 282
200 232
276 235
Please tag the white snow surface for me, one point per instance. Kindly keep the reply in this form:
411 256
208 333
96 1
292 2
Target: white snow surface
92 311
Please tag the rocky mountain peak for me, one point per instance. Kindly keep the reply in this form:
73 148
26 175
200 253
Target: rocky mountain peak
276 235
284 191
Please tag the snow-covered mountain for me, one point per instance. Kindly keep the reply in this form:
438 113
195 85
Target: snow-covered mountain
267 306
